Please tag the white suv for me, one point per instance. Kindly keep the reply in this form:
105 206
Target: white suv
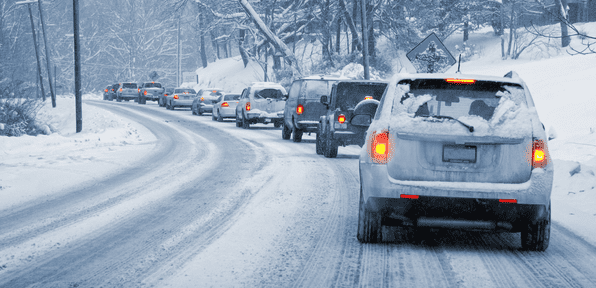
262 102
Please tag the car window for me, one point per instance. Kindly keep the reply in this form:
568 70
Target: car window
129 85
169 90
230 97
445 99
185 91
152 85
295 89
268 93
351 93
315 89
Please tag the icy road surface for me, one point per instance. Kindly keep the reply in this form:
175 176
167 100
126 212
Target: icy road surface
213 205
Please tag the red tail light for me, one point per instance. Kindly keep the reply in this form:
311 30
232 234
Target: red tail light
380 147
299 109
460 81
214 91
247 106
539 154
225 104
106 90
341 118
165 95
407 196
508 200
202 98
112 89
175 96
138 89
145 92
368 98
120 89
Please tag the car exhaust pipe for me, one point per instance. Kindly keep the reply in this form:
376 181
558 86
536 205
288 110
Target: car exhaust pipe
462 224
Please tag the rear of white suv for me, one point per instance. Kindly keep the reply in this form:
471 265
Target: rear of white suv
459 152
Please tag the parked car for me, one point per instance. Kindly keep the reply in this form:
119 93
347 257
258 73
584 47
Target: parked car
339 126
113 90
262 102
204 100
127 91
225 107
150 91
163 97
182 97
460 152
303 108
106 92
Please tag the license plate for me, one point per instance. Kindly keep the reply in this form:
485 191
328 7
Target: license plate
459 153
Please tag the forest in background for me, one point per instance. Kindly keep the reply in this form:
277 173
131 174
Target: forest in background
136 40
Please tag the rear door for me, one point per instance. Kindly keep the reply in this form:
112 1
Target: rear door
431 148
310 98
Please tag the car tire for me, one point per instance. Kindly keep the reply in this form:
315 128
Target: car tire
245 124
536 236
318 144
296 134
110 98
118 99
199 111
213 117
285 131
142 100
330 149
369 223
238 123
277 124
219 117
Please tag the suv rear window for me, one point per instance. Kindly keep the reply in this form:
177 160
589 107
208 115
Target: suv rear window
315 89
150 85
457 100
129 85
351 93
268 93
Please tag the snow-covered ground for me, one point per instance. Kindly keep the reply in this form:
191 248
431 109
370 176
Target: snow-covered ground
33 168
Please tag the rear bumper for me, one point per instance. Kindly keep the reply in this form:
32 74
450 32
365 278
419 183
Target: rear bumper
264 117
128 96
348 137
181 103
227 112
206 107
307 125
455 200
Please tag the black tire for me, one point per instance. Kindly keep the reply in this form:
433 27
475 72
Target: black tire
285 131
318 144
536 236
219 117
213 117
296 134
169 106
110 98
238 123
330 149
277 124
142 100
245 124
369 224
194 112
118 99
199 111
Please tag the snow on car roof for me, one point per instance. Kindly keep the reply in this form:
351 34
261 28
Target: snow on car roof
269 85
515 79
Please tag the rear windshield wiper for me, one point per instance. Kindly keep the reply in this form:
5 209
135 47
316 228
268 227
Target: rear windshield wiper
470 127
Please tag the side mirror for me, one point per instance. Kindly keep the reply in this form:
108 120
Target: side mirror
324 100
286 96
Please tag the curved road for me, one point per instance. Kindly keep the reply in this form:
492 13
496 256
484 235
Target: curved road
215 205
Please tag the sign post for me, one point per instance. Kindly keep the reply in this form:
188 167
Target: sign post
431 56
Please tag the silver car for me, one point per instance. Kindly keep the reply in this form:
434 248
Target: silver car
459 152
225 107
203 102
182 97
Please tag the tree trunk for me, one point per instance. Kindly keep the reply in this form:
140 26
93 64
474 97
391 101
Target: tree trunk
502 31
241 49
215 44
511 29
371 31
355 44
564 17
338 36
326 34
350 21
466 30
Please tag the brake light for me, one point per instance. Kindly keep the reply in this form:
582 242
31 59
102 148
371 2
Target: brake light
202 98
145 93
380 147
247 106
225 104
408 196
165 95
508 200
138 89
120 89
299 109
106 90
341 118
460 81
175 96
152 82
214 91
539 157
112 89
368 98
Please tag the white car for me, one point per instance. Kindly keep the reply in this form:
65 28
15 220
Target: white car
225 107
262 102
182 97
456 151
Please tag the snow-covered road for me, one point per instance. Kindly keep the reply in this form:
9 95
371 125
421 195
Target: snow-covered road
212 205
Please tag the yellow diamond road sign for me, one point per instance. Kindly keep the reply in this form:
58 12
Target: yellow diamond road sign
431 56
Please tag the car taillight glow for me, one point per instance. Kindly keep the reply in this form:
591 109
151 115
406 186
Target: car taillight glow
214 91
106 90
408 196
145 93
247 106
202 99
299 109
138 89
120 89
175 96
460 81
368 98
341 118
225 104
380 147
165 95
539 155
508 200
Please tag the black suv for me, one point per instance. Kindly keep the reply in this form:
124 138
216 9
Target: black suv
341 125
303 108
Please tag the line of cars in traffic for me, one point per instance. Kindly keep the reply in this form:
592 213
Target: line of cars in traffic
439 150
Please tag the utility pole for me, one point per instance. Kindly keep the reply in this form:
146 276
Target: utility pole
78 100
179 60
45 43
364 40
35 44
